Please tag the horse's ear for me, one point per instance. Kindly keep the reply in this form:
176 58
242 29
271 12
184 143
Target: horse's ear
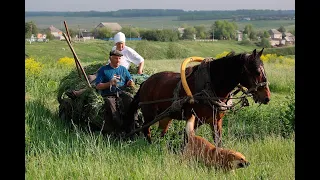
254 53
260 53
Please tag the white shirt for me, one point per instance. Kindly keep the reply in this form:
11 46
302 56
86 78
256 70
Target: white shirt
129 56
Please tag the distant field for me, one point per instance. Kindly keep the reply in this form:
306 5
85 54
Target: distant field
146 22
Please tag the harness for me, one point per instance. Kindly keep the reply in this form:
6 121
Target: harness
204 94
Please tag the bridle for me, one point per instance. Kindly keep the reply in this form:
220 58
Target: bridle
254 83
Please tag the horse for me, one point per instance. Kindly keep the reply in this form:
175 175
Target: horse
212 83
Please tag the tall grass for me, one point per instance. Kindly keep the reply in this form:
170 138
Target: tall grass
59 150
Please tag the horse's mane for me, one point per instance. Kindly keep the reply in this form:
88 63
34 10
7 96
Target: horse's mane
191 69
231 57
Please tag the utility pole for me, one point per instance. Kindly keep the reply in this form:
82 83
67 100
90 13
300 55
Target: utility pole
130 32
31 33
212 34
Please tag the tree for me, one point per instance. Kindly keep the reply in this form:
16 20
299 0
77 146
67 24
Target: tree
189 33
266 34
265 43
103 32
248 29
224 30
201 31
30 28
293 31
48 34
253 35
130 31
282 29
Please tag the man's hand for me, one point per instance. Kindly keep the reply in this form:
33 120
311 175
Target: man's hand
113 82
130 83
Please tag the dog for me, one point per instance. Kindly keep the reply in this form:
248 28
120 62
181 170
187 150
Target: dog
202 150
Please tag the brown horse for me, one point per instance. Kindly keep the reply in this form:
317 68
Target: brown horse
162 99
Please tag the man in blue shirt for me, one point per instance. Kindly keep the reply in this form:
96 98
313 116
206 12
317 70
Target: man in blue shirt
110 78
113 75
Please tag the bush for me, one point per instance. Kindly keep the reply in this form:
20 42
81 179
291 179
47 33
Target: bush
265 43
287 117
281 51
246 42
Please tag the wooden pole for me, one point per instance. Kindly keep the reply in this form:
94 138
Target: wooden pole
77 60
69 39
67 30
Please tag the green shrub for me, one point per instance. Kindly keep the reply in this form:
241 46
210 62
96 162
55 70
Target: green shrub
246 42
287 117
281 51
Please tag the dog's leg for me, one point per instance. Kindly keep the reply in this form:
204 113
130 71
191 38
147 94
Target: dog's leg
190 126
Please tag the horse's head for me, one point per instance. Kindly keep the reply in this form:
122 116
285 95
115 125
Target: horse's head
254 78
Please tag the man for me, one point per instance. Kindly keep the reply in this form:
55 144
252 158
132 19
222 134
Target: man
113 75
129 54
110 79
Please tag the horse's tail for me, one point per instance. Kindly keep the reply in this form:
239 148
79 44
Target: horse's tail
132 113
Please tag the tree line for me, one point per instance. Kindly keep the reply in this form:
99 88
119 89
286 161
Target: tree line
220 30
181 14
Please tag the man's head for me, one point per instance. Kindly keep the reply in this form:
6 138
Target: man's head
119 40
115 56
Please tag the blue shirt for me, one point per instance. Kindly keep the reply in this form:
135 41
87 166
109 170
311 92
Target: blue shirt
106 73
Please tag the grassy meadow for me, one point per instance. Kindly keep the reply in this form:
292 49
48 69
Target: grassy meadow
264 134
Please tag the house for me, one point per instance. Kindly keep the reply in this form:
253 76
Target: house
57 33
275 34
289 38
239 35
275 38
181 31
278 39
84 35
115 27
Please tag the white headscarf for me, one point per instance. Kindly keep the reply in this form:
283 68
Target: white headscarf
119 37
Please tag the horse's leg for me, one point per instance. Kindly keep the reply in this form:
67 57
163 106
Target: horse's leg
147 134
164 125
219 129
219 121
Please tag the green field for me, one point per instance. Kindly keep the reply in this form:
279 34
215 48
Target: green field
146 22
264 134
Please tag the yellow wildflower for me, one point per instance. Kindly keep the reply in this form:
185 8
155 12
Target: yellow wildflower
221 55
32 67
66 61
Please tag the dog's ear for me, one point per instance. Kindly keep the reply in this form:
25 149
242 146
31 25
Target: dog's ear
231 156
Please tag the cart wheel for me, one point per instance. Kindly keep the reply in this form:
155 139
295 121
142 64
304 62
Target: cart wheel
65 109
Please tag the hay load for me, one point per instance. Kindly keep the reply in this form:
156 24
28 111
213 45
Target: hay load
88 108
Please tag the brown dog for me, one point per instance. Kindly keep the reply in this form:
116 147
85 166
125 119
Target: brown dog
204 151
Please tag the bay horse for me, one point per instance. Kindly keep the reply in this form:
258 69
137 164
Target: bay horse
162 99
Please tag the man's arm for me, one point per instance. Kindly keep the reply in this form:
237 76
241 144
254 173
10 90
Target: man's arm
136 58
140 68
100 85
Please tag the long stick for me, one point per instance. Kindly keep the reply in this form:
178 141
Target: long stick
77 60
67 30
69 39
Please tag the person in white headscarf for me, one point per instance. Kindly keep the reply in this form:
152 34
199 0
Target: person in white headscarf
129 54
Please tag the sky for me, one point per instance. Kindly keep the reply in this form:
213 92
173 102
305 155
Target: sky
109 5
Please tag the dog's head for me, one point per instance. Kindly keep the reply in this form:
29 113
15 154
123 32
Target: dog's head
237 160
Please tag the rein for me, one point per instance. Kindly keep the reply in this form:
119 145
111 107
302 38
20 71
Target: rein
215 100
